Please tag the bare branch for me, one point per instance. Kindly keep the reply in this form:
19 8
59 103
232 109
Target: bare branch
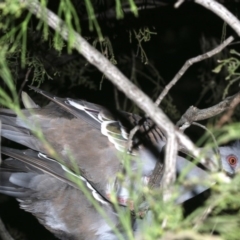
24 82
222 12
110 71
178 3
132 92
190 62
196 153
215 143
226 117
169 175
194 114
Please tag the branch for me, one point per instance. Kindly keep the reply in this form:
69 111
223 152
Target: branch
222 12
178 3
157 173
123 84
194 114
190 62
24 82
226 117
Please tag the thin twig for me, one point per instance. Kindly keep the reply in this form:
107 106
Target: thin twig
227 116
222 12
194 114
190 62
178 3
169 175
215 143
117 78
24 82
197 153
212 136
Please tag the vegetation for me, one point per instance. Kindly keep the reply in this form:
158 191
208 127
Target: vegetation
31 53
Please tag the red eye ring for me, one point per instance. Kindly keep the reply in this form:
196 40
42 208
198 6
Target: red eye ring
232 160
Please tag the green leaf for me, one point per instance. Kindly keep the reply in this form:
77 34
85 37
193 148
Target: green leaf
218 68
232 51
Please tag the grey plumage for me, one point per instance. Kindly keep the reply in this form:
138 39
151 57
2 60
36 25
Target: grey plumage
40 193
82 129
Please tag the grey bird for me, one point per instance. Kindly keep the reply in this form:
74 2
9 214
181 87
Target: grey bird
93 136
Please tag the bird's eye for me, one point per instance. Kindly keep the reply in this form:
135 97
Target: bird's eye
232 160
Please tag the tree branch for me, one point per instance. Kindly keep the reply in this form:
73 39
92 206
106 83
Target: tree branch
123 84
194 114
222 12
190 62
24 82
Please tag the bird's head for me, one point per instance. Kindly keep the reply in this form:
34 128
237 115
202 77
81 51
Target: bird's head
230 158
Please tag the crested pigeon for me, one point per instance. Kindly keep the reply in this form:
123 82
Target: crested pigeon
92 136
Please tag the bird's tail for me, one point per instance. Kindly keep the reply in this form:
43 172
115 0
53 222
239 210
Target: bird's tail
16 128
15 178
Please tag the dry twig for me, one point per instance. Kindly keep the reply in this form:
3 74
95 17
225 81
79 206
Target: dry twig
174 81
189 63
194 114
123 84
227 116
222 12
178 3
24 82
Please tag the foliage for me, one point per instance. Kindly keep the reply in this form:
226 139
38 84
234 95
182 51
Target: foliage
232 65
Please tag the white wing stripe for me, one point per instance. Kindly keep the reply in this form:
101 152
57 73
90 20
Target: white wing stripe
95 194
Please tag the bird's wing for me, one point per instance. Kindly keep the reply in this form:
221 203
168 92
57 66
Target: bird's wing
116 125
60 205
73 129
40 163
78 143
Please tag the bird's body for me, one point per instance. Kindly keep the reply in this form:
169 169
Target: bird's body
60 206
79 131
